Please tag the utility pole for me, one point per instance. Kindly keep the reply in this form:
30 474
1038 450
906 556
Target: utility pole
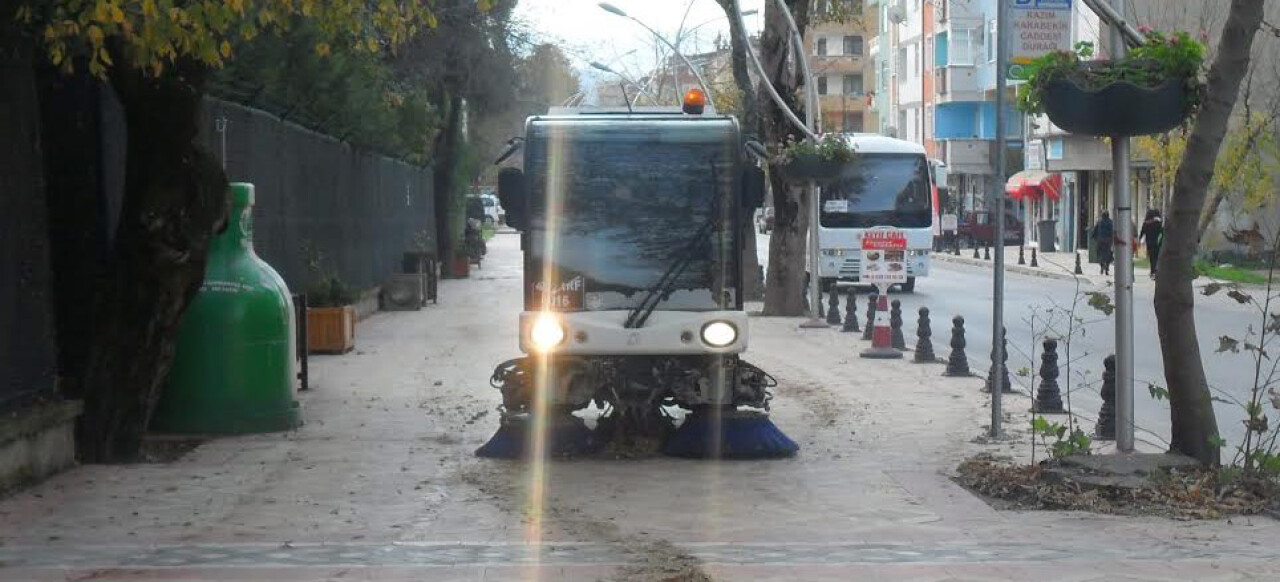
1124 265
996 189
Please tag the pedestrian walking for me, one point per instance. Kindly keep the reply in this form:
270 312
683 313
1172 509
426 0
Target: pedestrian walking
1152 235
1103 236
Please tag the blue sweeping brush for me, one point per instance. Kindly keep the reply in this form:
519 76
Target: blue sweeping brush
728 434
568 435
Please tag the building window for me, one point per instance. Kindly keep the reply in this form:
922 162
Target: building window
991 40
901 68
822 85
822 46
928 122
960 47
853 84
853 122
853 46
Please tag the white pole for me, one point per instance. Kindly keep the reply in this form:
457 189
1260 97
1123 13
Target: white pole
1124 268
997 196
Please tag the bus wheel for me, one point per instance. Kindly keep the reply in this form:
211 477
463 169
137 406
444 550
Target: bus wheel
909 286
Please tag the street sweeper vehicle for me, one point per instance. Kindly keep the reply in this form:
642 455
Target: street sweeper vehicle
631 226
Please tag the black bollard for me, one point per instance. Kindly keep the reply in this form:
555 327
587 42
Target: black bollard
871 317
1022 257
957 363
1006 385
924 345
895 325
1034 261
851 312
975 250
1079 271
986 252
833 305
1048 395
1106 428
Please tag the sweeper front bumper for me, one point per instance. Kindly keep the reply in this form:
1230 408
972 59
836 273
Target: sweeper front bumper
602 333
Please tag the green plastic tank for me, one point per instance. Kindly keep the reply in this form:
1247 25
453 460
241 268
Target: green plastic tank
233 368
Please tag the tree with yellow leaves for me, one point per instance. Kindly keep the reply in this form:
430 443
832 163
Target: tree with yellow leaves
157 55
1243 170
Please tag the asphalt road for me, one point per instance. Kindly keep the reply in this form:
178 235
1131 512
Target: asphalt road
953 289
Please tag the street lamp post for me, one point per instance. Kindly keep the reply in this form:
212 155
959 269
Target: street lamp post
1124 265
607 7
997 195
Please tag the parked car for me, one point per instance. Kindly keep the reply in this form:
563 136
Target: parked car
764 220
492 210
485 208
978 228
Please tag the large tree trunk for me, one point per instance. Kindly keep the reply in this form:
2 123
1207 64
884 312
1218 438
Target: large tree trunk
1190 406
785 281
742 78
27 338
174 201
446 160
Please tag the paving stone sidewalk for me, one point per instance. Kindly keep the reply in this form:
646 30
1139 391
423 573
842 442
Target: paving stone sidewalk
1057 265
380 484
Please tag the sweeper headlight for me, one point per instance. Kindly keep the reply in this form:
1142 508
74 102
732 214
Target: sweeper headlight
719 334
546 333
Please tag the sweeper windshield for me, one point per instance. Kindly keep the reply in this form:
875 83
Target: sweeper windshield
624 207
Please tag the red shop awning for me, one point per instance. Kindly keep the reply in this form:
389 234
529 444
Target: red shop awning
1032 184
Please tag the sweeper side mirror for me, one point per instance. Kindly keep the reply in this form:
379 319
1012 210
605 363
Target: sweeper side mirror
752 188
513 194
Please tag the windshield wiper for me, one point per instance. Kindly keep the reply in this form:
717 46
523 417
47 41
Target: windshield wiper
653 295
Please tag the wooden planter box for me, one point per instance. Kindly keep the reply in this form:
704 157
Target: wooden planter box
461 267
331 330
1120 109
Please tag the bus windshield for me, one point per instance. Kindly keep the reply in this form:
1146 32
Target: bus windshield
880 190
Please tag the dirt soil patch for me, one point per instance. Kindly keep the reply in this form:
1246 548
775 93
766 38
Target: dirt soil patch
1183 494
167 449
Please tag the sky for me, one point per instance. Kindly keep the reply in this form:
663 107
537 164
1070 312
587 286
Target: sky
588 33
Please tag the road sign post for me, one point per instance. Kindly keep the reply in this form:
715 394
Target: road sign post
884 264
1037 27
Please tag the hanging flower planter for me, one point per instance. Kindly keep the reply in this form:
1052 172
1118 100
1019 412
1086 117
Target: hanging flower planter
819 160
1153 89
806 168
1116 109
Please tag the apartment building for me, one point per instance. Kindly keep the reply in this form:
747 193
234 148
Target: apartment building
838 54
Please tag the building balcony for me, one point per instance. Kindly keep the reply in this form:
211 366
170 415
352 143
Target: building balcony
967 156
957 83
838 64
838 103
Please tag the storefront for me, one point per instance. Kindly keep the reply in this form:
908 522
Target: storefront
1040 193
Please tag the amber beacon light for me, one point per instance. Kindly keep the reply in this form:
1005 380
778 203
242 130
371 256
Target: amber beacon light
694 102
